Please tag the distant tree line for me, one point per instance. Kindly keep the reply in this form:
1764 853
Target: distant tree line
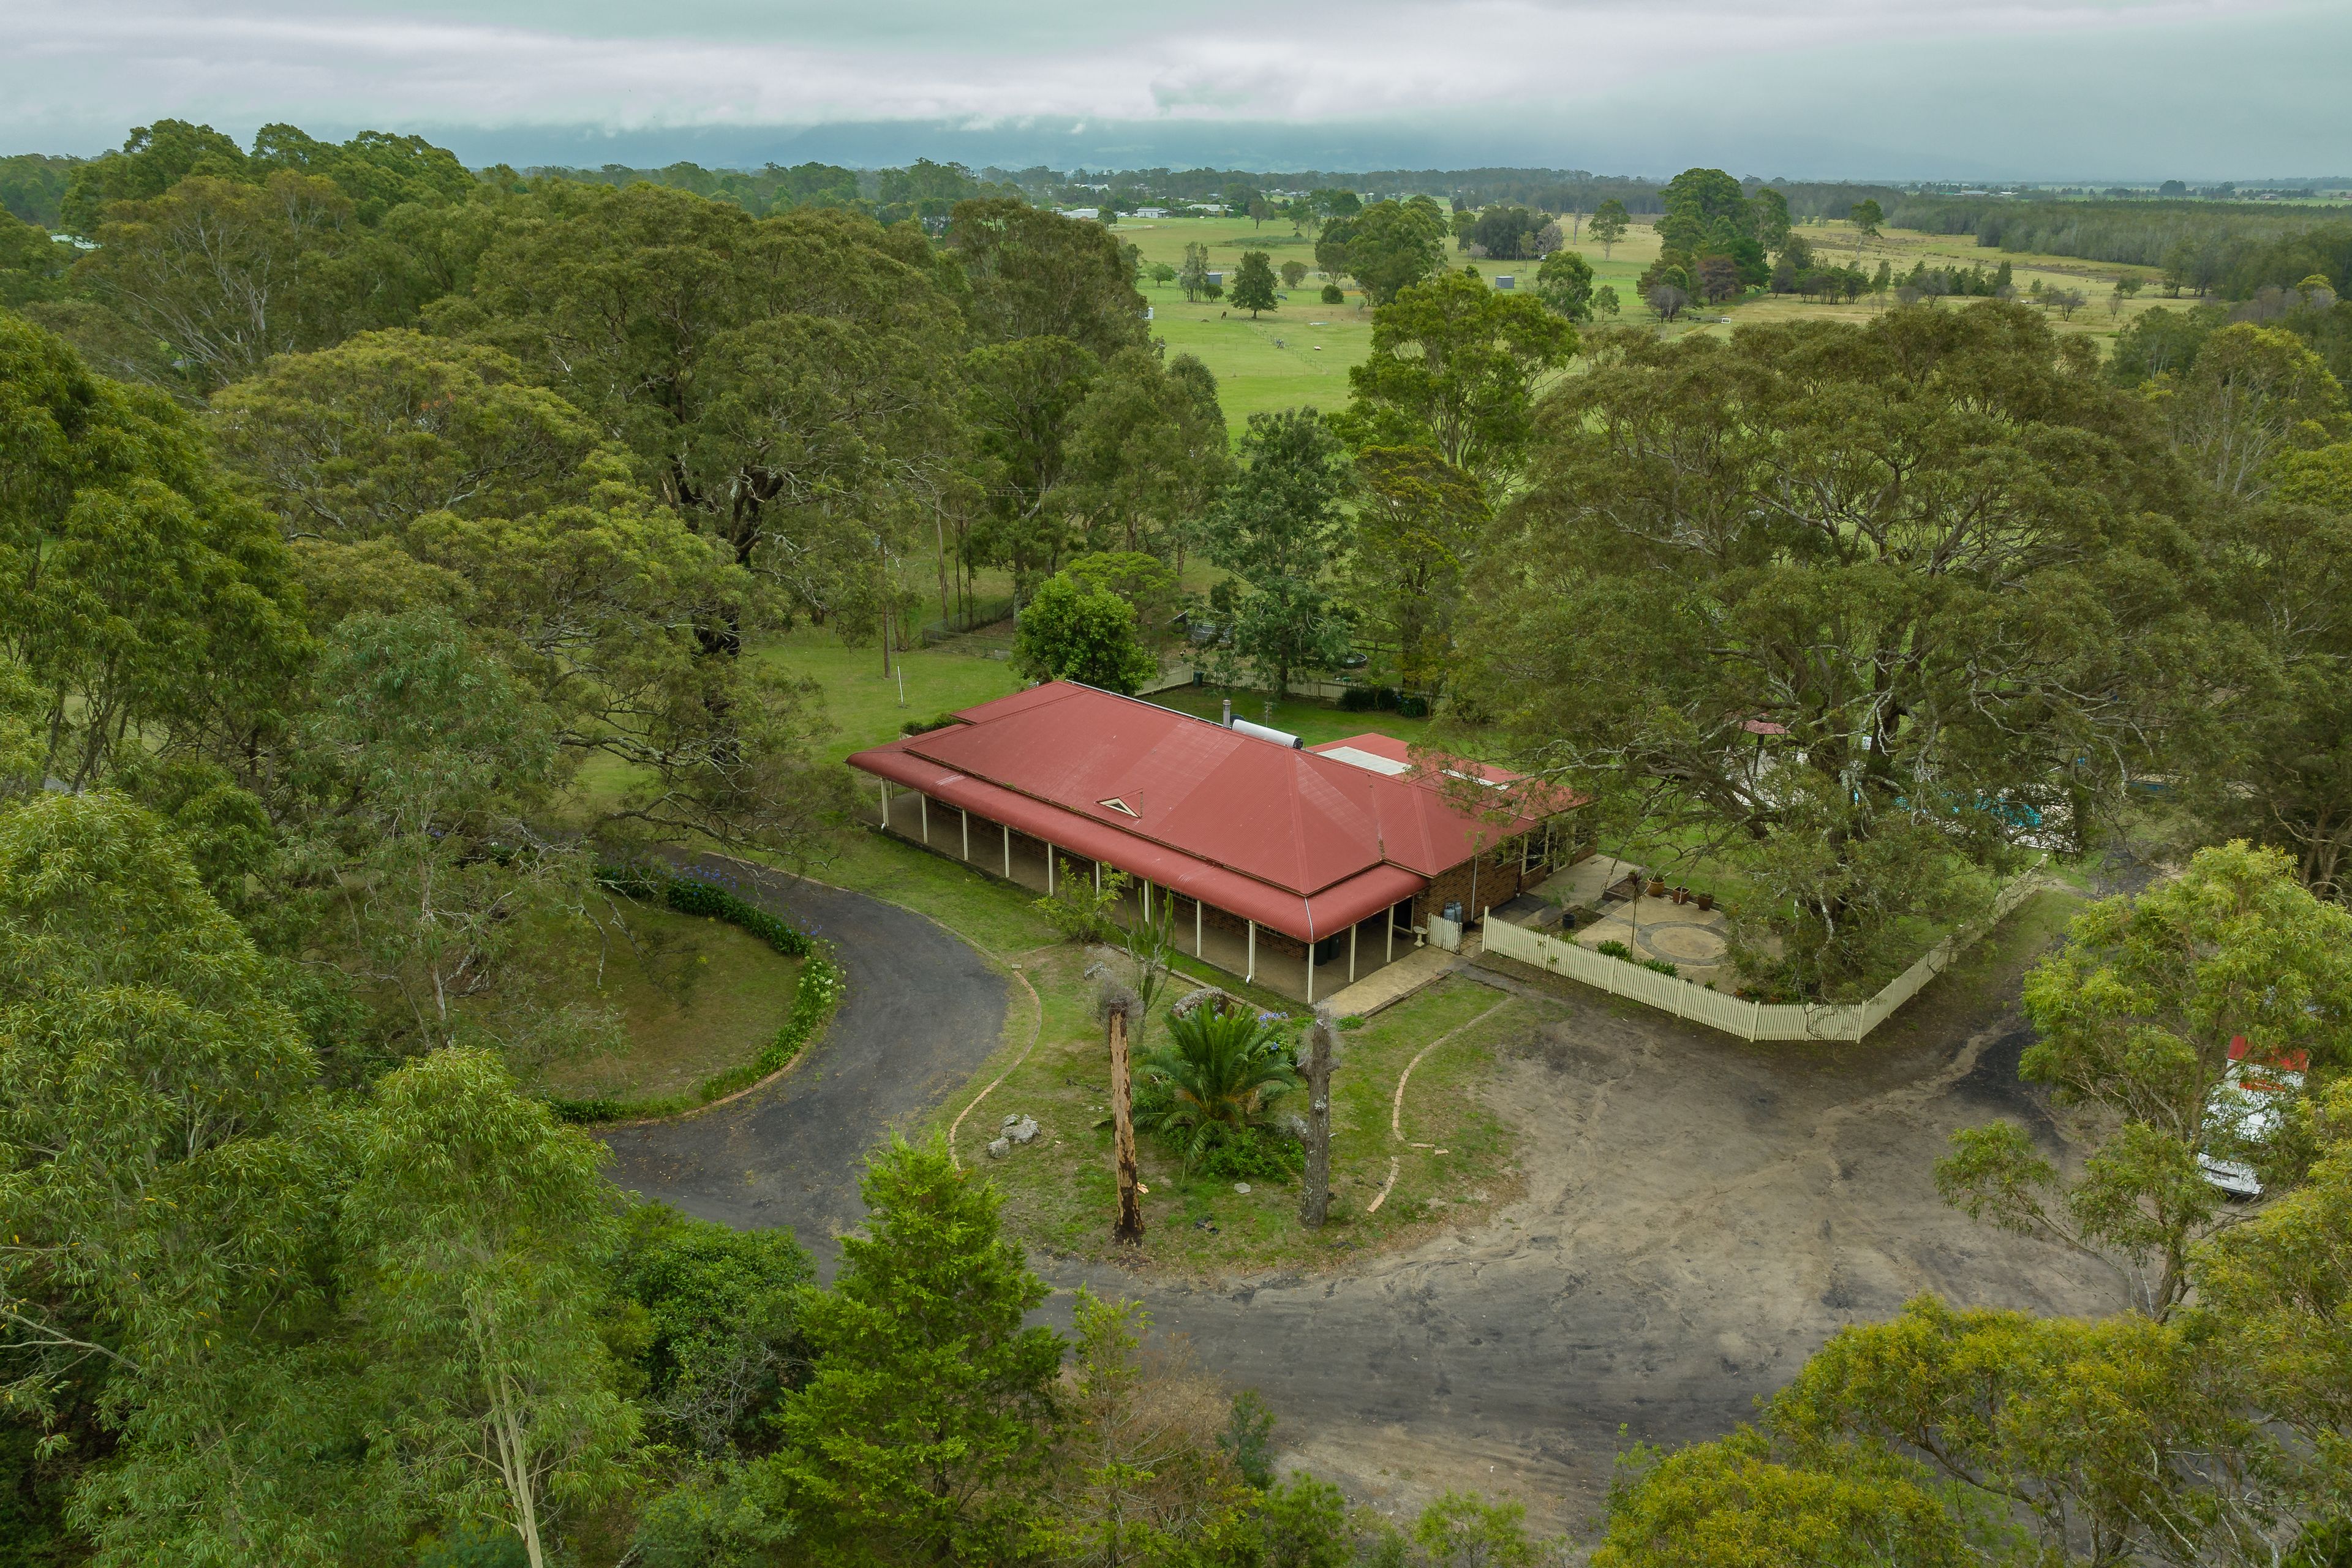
33 187
1550 191
923 189
2209 248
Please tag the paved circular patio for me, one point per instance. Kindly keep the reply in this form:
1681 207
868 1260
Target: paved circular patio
1681 942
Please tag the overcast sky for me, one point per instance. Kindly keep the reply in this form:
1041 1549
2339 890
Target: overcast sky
1937 89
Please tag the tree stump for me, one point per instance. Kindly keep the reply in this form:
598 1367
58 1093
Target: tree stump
1128 1228
1315 1205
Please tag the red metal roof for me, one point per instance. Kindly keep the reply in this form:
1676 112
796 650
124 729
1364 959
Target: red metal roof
1302 842
2283 1062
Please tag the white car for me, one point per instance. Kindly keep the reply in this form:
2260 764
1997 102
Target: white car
2245 1109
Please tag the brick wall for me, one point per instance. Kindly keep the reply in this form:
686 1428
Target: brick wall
1493 877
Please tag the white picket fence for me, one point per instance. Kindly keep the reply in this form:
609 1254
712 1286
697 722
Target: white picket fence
1748 1020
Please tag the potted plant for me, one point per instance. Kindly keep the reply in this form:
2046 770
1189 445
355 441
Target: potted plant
1704 900
1657 886
1682 895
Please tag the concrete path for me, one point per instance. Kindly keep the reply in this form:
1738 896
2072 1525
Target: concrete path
923 1012
1390 984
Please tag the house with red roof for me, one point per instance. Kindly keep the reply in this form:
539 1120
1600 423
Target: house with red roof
1302 868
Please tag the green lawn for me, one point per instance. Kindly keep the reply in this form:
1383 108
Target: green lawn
1300 353
1296 355
863 704
1311 720
693 997
1060 1193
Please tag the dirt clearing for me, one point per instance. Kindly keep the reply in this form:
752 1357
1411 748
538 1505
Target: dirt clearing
1698 1215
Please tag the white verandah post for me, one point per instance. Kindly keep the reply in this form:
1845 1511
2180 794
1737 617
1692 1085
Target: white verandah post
1049 866
1196 928
1008 850
923 805
1311 972
1251 972
885 785
967 832
1352 952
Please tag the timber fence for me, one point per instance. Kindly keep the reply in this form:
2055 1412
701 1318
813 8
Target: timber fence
1736 1016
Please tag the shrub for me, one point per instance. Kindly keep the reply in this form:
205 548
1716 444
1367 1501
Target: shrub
1252 1155
1614 949
1334 295
1078 909
1412 707
702 893
925 726
1369 698
1662 967
1211 1085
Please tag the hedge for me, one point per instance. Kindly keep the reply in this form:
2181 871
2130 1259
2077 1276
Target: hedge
816 994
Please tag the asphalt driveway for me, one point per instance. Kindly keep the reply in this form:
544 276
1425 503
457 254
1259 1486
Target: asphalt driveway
923 1012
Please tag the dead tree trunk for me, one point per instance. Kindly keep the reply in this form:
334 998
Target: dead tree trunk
1314 1206
1129 1227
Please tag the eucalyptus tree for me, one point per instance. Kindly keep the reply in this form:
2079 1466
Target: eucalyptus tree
788 383
412 474
1872 608
153 606
1455 365
1280 528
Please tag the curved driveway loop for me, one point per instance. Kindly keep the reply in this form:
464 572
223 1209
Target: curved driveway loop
923 1012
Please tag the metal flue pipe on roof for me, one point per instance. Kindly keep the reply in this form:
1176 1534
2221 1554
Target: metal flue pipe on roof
1267 733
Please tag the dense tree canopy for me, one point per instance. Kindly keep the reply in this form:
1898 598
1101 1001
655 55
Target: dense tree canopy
786 382
141 591
1876 605
388 549
1037 274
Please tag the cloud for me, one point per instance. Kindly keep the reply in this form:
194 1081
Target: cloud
86 66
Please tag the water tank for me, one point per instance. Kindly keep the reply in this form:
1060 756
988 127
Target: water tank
1266 732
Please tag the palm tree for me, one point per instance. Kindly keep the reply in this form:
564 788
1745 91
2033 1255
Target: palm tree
1214 1079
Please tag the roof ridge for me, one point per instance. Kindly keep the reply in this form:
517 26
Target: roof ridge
1135 827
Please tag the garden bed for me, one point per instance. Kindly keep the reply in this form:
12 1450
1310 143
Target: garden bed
1455 1164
